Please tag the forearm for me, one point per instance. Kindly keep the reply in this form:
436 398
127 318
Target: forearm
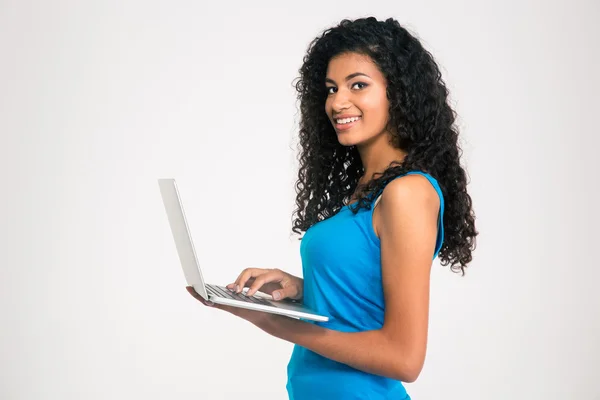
369 351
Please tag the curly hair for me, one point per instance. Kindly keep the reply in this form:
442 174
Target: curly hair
420 121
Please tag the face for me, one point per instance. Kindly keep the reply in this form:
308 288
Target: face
357 89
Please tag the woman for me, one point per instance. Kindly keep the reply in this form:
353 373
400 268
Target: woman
380 194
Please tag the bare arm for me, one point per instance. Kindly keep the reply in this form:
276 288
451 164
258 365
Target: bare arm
409 211
407 231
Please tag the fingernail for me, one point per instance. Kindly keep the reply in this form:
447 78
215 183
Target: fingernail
276 295
237 288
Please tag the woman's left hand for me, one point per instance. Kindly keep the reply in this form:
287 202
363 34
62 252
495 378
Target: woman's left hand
257 318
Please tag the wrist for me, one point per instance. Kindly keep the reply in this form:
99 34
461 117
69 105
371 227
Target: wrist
300 295
269 323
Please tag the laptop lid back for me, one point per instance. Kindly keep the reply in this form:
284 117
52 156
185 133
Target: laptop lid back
181 235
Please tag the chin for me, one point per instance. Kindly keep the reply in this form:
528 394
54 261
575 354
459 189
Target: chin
346 143
347 139
357 139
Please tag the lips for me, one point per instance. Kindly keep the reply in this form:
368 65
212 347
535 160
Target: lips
345 127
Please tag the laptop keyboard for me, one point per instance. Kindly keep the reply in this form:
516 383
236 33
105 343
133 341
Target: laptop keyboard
220 291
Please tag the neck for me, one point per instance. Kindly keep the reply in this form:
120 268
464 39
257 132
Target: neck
377 156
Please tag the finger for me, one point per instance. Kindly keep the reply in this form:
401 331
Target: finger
285 293
271 276
249 282
195 294
245 275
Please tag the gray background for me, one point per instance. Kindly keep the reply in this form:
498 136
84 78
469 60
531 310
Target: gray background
98 99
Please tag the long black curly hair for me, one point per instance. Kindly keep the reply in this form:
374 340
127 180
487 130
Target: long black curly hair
421 122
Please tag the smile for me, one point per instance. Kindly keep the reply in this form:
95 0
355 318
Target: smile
346 123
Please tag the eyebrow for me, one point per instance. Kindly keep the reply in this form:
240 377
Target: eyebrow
349 77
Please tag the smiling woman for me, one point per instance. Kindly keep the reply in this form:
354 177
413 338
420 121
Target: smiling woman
359 101
381 192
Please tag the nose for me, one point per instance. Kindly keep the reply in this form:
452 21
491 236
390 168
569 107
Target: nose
341 101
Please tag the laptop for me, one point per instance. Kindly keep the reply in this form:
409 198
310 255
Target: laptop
193 273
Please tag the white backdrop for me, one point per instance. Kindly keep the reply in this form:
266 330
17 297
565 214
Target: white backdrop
99 99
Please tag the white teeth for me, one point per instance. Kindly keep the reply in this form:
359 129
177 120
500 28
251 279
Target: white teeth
347 120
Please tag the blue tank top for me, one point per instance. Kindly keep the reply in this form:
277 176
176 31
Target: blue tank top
341 265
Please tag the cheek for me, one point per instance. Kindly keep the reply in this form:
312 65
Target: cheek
377 111
376 105
328 106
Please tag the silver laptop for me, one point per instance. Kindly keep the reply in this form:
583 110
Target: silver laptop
193 272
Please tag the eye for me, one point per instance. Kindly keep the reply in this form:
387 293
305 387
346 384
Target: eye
364 85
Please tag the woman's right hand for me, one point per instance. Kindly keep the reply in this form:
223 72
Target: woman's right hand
275 282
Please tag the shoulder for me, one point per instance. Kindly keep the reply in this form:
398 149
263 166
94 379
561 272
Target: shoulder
409 199
409 191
